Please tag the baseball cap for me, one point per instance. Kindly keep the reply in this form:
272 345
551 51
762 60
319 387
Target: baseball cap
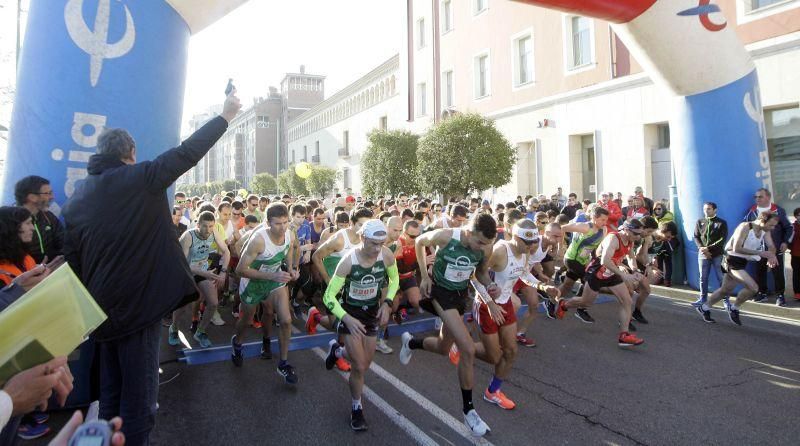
374 229
350 199
486 202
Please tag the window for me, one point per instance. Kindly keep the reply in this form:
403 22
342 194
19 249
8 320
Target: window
783 144
447 80
383 123
305 153
422 106
293 158
447 15
581 41
316 149
345 178
346 141
421 32
751 10
756 4
482 76
663 136
523 59
479 6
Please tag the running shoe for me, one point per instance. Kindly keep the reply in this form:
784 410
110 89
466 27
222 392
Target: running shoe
31 431
628 340
524 341
475 424
173 339
499 399
639 317
357 421
343 365
288 374
266 348
216 319
584 316
312 321
257 324
330 360
550 308
780 301
561 310
733 315
760 297
726 302
706 314
796 296
203 339
39 417
454 354
437 323
700 301
383 347
405 350
236 356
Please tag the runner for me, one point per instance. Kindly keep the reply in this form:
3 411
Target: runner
751 242
461 252
208 275
406 256
603 272
457 218
394 227
264 279
361 275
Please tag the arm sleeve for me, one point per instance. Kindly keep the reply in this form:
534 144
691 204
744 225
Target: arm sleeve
394 281
167 167
331 303
6 408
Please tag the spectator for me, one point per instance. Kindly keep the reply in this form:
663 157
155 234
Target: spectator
614 212
533 207
637 209
618 200
625 208
648 203
662 214
177 220
150 280
35 194
571 207
795 247
781 235
16 232
664 249
710 234
560 198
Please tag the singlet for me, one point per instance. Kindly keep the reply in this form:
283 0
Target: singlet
619 254
536 257
752 242
269 260
332 260
407 260
316 235
507 278
582 246
200 249
455 264
362 287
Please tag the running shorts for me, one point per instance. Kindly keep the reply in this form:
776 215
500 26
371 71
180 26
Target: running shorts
368 317
484 319
447 299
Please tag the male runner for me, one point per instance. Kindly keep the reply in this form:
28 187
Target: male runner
603 271
457 218
362 275
461 253
263 279
394 227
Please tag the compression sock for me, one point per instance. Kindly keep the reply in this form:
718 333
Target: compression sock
415 344
495 384
466 398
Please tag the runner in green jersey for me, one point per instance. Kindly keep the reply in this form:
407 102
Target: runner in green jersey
362 275
587 237
269 249
461 254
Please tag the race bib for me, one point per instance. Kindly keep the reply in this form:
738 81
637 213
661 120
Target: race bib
202 264
456 274
267 268
361 293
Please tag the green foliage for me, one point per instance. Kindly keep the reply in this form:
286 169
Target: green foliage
231 185
290 183
263 184
463 154
389 164
322 180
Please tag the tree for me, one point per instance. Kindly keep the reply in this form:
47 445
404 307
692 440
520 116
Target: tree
215 187
290 183
321 180
230 185
462 154
263 184
389 164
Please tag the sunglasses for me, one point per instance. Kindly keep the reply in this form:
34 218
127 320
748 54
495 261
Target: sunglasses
530 242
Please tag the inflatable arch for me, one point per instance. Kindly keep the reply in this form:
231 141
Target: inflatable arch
719 148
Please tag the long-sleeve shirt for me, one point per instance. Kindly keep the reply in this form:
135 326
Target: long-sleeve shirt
711 233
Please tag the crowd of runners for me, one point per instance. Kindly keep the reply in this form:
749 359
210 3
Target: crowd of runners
351 265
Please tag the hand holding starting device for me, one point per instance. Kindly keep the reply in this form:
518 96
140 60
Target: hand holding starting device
95 432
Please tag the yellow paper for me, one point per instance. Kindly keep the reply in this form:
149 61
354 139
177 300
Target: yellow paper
58 314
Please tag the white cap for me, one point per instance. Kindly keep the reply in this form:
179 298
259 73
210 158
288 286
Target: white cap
530 235
374 229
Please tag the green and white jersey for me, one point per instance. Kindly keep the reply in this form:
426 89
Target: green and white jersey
455 264
200 249
362 287
268 261
332 260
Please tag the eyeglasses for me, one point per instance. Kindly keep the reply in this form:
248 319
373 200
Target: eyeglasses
43 193
759 196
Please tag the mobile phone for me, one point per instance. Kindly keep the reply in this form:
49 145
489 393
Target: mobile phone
230 87
93 432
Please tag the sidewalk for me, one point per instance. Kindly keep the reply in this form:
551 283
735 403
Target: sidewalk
769 309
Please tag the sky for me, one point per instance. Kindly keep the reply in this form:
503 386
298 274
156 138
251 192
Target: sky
261 41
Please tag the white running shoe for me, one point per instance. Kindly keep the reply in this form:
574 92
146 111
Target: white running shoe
217 319
437 323
475 424
383 347
405 350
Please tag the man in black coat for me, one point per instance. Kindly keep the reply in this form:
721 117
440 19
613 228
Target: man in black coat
121 242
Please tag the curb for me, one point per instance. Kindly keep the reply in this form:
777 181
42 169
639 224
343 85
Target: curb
685 294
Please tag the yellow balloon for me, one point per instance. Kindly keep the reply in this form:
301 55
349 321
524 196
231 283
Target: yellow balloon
303 170
242 192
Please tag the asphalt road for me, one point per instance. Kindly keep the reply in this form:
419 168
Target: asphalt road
690 383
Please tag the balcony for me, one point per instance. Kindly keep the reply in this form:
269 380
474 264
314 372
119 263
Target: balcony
315 159
344 152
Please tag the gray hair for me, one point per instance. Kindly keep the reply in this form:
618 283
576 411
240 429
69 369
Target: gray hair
117 142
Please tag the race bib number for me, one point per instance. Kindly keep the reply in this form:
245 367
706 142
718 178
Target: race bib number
363 293
266 268
203 265
456 274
